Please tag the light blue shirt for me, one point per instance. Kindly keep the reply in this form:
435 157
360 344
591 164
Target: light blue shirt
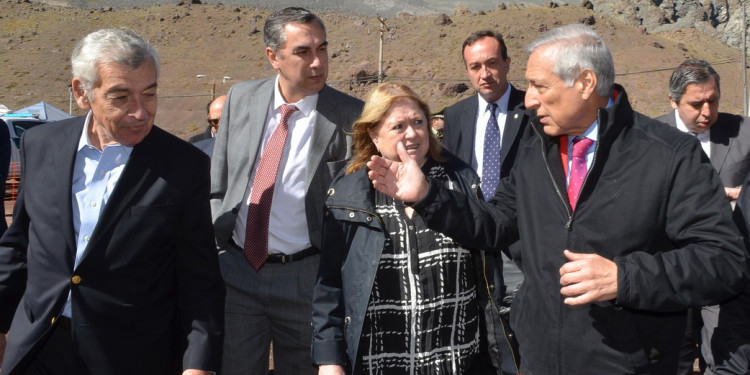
591 133
95 175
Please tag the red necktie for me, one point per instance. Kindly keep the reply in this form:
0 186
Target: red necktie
578 169
259 210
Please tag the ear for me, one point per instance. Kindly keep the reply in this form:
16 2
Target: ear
273 58
586 83
674 104
80 94
374 137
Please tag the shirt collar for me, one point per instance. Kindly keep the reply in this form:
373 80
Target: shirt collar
502 103
306 105
592 132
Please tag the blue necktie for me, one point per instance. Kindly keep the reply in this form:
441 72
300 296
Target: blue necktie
491 155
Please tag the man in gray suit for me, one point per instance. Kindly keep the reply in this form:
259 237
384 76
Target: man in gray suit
269 294
694 94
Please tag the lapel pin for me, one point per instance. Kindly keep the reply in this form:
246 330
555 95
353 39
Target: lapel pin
515 116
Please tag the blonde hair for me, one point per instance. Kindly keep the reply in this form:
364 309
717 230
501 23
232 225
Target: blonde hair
376 106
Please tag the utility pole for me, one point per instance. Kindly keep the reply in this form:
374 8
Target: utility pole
383 29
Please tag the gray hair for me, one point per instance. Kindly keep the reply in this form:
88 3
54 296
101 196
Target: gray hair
122 46
274 34
580 47
691 71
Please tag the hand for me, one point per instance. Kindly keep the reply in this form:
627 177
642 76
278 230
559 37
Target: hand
400 180
733 193
587 278
3 340
331 370
196 372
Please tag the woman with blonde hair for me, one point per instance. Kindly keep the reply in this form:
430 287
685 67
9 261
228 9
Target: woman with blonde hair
392 296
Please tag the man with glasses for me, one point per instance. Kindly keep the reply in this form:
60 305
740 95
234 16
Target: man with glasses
213 110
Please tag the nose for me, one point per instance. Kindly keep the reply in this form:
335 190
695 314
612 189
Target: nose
138 109
317 61
706 109
531 100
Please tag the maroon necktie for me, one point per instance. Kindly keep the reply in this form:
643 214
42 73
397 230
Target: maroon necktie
577 169
259 210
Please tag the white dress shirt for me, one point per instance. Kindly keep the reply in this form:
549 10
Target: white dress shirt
483 116
704 138
287 226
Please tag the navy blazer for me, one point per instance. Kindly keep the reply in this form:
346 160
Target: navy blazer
147 295
460 129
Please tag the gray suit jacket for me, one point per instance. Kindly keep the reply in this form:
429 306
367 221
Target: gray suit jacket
239 140
730 146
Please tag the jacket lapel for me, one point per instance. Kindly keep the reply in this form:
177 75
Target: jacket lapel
322 132
467 131
137 171
64 162
720 145
513 121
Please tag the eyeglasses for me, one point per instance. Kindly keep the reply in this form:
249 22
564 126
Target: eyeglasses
213 121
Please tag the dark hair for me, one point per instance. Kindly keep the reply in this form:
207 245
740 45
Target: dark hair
475 36
691 71
273 31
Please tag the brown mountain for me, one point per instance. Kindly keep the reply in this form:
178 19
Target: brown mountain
423 51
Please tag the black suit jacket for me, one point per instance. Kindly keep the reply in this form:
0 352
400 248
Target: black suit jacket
730 146
460 129
202 136
147 296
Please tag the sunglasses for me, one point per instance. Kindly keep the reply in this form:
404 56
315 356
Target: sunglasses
213 121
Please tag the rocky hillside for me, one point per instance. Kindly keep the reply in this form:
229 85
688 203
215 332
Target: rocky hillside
219 41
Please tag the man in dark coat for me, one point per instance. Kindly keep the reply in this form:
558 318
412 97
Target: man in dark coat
109 266
619 236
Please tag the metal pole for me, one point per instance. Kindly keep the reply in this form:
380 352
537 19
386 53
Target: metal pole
383 28
70 99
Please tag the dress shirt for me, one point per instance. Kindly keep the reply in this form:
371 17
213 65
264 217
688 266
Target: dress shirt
591 133
483 116
287 225
704 138
95 175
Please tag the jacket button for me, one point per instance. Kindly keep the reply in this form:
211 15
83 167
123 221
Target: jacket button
331 191
351 214
76 279
369 219
347 320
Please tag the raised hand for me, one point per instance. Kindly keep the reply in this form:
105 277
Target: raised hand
400 180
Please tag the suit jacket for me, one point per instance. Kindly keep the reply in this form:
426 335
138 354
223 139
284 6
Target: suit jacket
202 136
239 140
147 295
730 146
206 145
460 129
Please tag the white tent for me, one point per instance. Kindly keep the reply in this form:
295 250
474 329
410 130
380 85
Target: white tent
45 111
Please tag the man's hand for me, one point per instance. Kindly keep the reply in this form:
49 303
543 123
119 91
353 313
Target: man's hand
196 372
331 370
400 180
587 278
2 347
733 193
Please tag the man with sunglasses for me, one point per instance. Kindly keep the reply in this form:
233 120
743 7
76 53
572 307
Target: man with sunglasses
214 114
213 110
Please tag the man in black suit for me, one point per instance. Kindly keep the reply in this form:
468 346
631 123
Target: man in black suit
694 93
109 266
474 128
213 115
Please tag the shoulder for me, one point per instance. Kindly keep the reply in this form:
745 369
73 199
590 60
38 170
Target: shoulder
172 150
329 93
462 105
667 118
462 169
